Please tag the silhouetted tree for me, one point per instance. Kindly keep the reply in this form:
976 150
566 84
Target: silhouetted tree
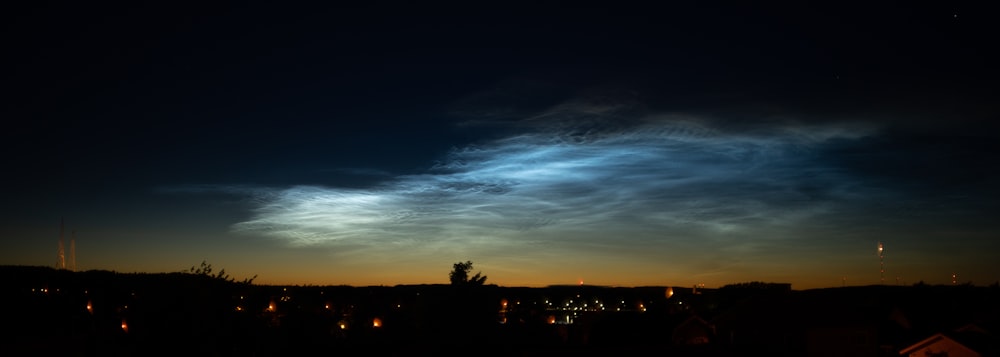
206 270
460 275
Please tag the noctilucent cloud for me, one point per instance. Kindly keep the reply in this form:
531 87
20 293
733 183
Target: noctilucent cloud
664 180
685 197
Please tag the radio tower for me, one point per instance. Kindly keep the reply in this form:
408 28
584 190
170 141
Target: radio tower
881 262
72 251
61 255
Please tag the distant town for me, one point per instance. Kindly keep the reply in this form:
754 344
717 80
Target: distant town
201 312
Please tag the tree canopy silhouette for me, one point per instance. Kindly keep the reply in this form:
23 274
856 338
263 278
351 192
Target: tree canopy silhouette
460 275
206 270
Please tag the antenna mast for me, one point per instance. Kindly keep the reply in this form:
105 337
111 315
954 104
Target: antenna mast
61 254
881 262
72 251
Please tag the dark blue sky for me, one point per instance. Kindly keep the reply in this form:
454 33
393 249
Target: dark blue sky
625 144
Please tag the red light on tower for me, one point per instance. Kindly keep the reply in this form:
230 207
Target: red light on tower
881 262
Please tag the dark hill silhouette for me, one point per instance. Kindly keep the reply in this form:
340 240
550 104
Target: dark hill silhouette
102 313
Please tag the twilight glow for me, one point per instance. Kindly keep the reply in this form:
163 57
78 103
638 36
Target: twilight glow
654 190
670 143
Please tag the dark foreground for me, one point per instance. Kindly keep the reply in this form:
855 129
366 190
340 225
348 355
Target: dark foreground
99 313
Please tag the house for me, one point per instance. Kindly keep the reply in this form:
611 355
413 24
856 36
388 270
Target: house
692 331
938 345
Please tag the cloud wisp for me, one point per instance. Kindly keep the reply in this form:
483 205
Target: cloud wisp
662 181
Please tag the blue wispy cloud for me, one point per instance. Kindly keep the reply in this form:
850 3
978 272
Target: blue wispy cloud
576 180
666 196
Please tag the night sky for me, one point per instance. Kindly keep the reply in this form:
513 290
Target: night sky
627 145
